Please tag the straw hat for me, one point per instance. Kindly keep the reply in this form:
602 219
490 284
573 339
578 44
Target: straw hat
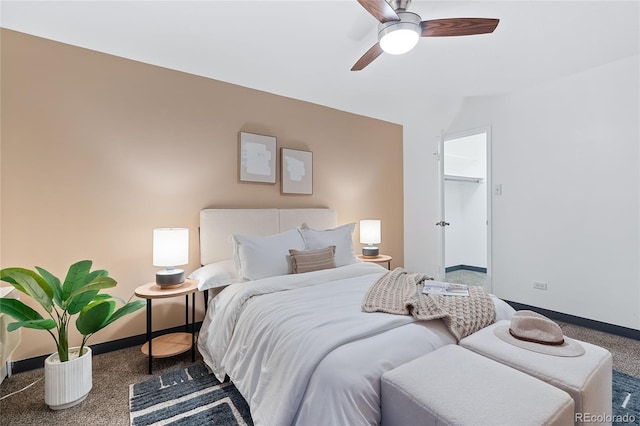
535 332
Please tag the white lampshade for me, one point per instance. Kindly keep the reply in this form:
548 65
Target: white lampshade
170 246
399 41
370 231
398 37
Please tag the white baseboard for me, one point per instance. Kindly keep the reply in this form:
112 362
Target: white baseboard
5 371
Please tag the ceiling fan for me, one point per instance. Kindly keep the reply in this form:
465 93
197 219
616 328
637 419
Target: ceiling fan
399 30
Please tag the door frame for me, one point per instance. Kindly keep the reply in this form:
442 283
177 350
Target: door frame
489 185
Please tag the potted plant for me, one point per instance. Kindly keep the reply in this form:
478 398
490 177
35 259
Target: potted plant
68 375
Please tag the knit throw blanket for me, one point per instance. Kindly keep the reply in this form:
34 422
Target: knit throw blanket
399 292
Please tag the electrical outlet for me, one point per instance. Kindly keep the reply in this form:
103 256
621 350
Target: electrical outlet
539 285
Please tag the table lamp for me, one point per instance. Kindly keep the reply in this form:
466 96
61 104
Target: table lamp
170 249
370 235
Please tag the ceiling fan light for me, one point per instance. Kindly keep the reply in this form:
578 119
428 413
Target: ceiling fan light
399 41
398 37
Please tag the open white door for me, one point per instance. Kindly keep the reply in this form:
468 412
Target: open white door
441 199
465 206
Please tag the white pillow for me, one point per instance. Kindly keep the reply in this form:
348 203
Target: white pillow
262 257
217 274
341 237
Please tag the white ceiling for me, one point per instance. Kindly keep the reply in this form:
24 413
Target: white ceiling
304 49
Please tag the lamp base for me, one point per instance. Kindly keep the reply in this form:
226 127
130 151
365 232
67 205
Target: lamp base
170 278
370 251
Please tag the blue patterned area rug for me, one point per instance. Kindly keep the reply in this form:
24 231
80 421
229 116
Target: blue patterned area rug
191 396
626 399
194 396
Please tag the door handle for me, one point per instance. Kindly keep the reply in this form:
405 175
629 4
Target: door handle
442 223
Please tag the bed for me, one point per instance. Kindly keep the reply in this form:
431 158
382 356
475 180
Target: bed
297 346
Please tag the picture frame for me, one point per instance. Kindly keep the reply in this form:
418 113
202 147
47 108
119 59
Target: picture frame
297 171
257 160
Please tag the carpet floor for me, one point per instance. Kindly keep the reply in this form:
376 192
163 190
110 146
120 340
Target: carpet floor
114 372
463 276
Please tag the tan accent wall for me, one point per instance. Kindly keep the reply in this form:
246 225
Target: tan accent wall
99 150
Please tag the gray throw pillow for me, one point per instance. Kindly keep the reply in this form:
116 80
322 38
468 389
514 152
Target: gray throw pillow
313 260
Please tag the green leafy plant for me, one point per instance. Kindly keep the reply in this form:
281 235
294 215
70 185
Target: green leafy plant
78 294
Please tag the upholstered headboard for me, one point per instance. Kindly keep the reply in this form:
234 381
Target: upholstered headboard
217 226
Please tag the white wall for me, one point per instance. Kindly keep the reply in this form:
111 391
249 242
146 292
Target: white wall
567 155
466 155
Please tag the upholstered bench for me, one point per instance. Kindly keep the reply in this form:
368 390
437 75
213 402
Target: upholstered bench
587 378
454 386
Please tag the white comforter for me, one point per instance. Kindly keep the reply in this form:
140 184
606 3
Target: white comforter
304 353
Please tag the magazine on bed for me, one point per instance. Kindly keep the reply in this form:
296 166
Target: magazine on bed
446 289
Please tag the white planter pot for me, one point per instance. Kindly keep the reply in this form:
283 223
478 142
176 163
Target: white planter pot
67 383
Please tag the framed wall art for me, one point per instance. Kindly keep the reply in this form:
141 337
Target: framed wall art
257 158
297 171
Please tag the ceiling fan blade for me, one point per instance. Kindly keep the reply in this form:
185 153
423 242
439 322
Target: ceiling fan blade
458 27
380 10
368 57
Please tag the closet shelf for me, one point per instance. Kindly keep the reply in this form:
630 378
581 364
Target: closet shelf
456 178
